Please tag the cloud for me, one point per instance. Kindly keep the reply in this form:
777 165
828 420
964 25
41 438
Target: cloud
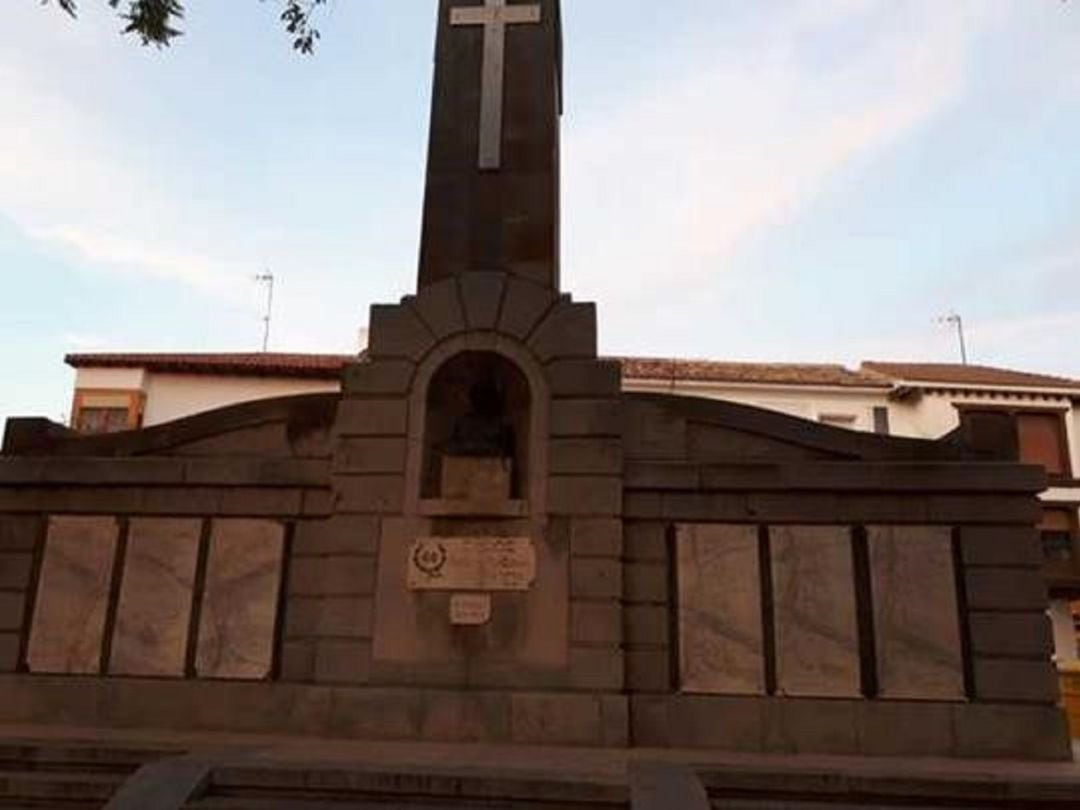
738 142
64 180
1037 341
120 254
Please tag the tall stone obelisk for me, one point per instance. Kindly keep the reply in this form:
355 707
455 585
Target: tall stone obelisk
491 201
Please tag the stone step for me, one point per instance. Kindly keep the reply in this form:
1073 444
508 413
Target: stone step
56 789
788 804
299 788
64 756
237 803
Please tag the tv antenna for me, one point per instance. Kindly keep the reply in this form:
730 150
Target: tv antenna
953 319
267 278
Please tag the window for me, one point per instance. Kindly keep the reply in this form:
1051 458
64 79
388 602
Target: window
101 420
1058 528
1042 441
106 411
881 421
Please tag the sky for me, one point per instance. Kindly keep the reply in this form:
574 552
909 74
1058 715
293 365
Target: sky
796 180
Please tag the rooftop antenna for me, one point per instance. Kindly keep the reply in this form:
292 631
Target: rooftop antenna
267 278
953 319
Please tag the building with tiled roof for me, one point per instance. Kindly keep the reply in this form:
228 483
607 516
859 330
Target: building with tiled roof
952 376
252 364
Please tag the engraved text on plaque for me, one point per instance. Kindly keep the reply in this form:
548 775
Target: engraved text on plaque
471 564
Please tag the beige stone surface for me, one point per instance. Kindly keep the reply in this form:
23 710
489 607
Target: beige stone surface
154 611
719 609
817 637
239 608
471 564
73 595
481 479
916 619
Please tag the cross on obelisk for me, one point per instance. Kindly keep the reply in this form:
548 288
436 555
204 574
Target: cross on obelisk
494 15
491 192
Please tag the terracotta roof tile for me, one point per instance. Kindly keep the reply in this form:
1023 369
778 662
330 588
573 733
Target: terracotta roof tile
957 374
869 375
750 373
262 364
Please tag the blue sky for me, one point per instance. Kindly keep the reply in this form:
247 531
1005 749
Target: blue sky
810 180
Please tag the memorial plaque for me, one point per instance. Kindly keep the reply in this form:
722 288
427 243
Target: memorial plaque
470 609
154 611
817 638
720 633
239 608
471 564
916 619
76 577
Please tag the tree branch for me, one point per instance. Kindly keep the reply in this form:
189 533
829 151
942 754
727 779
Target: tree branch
155 22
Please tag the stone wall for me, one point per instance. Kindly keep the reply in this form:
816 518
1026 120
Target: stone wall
157 553
940 646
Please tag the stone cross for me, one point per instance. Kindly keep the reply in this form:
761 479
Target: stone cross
494 15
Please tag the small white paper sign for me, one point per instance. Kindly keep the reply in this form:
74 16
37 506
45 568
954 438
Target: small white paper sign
470 609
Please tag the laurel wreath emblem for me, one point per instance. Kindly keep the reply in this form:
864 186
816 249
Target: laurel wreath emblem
430 559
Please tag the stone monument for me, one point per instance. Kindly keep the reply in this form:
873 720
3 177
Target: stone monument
482 538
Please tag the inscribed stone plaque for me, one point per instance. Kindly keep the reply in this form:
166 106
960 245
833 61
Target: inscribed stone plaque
73 595
528 631
154 611
471 564
916 619
470 609
239 607
817 637
719 610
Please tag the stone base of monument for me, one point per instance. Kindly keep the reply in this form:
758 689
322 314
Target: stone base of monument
47 768
147 770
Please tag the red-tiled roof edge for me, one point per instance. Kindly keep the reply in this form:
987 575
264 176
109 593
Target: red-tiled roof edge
833 375
641 368
319 366
959 375
870 374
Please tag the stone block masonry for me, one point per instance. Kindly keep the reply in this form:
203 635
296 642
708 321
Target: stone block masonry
330 603
20 537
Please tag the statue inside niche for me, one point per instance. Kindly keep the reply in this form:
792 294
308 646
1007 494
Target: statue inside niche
477 459
482 432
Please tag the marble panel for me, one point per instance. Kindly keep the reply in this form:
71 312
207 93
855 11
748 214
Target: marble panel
240 600
73 595
817 636
719 610
154 611
916 618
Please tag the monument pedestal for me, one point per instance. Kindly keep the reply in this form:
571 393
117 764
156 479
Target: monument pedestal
483 480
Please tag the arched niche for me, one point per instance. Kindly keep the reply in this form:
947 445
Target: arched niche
477 408
440 396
